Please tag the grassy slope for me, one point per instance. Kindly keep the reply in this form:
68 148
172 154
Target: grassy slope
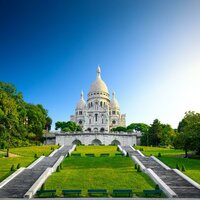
114 172
172 157
26 157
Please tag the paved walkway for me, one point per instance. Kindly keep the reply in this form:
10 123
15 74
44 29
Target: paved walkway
180 186
18 186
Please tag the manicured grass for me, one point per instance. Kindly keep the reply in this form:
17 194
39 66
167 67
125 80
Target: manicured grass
153 151
97 150
24 156
114 172
171 157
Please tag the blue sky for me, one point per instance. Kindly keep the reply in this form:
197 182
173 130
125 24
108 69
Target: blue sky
149 52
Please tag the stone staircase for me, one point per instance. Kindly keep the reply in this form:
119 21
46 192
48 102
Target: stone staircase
18 186
179 185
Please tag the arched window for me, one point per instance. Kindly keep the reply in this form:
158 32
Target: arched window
102 130
96 115
89 129
96 142
101 103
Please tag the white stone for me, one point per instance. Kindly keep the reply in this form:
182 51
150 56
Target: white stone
96 139
99 113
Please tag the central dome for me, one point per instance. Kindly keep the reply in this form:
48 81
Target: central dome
98 85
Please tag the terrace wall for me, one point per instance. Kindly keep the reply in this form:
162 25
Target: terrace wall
96 138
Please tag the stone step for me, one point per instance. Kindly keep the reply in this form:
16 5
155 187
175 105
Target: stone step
179 185
18 186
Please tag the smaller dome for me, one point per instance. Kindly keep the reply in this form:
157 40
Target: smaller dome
114 103
81 104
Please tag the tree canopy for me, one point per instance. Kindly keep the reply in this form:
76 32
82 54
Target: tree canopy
188 136
67 126
18 119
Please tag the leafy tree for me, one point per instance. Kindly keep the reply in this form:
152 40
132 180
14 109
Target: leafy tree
8 119
119 129
18 119
36 119
167 134
143 128
48 123
67 126
155 132
188 137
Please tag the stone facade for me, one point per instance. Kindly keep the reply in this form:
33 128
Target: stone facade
99 114
98 139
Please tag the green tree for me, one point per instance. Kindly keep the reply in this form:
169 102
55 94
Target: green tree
119 129
143 128
188 137
155 132
167 134
67 126
48 123
36 119
8 119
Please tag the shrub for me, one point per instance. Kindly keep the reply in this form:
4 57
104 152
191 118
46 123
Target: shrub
35 156
43 186
183 168
61 165
58 169
138 168
52 148
159 154
177 167
12 168
157 187
18 165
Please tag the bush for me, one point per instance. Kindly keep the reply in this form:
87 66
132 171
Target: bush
157 187
43 186
183 168
58 169
138 168
177 167
52 148
159 155
61 165
18 165
12 168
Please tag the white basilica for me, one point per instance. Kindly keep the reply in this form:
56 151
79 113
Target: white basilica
99 113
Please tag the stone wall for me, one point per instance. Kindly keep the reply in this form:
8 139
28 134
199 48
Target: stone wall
96 138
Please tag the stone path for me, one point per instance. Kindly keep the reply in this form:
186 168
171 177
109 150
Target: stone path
179 185
18 186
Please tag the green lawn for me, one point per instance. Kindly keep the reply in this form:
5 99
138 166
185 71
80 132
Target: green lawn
24 156
97 150
114 172
171 157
